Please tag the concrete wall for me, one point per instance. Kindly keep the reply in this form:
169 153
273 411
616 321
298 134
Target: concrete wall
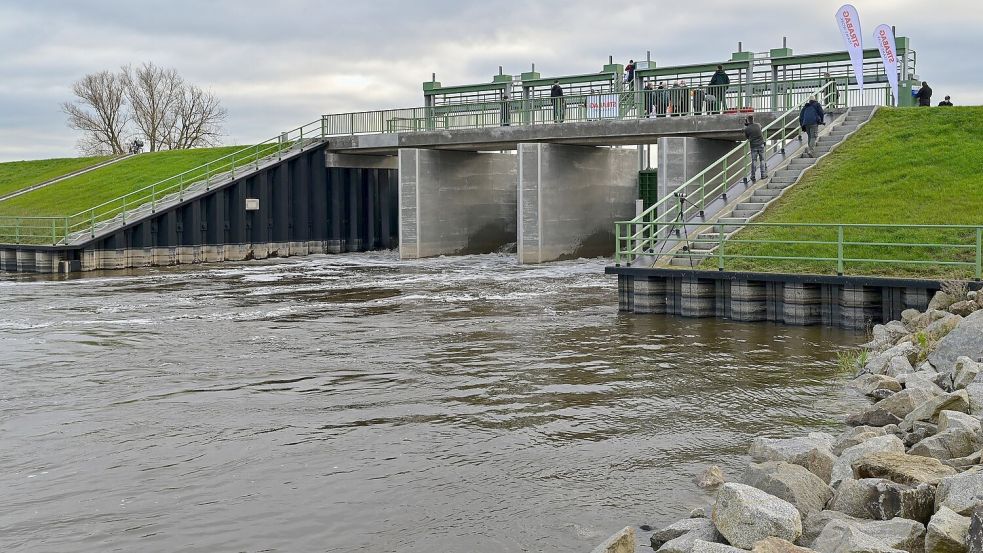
682 158
570 197
455 203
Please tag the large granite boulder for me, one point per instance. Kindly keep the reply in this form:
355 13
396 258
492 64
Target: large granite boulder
700 546
974 541
856 435
962 492
901 468
793 483
843 467
746 515
924 380
897 406
941 301
952 443
881 499
695 528
947 532
812 452
838 537
880 363
871 384
966 372
929 410
777 545
965 339
899 533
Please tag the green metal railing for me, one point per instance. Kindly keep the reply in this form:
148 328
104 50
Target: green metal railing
830 247
643 235
619 105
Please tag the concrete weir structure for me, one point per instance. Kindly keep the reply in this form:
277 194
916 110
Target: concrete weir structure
845 301
554 190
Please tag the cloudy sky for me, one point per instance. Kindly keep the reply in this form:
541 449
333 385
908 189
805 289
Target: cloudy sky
279 64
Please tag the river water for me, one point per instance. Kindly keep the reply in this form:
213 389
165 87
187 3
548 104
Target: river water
358 403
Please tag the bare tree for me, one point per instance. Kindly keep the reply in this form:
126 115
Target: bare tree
155 94
100 112
149 101
198 120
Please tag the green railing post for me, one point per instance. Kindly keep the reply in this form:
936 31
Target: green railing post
256 156
153 196
839 250
124 210
53 240
720 247
979 253
66 228
617 245
92 222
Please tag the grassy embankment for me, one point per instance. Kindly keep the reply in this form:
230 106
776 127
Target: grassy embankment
906 167
17 175
85 191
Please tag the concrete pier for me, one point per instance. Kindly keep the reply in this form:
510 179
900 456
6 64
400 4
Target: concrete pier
682 158
848 302
569 198
455 203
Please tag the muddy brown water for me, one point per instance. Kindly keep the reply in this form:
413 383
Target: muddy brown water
359 403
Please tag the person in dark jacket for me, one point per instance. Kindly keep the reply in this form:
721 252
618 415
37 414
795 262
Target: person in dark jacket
924 95
506 109
946 102
649 100
718 88
630 74
699 100
752 131
556 96
661 100
810 118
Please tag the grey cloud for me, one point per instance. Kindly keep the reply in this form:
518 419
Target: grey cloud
277 64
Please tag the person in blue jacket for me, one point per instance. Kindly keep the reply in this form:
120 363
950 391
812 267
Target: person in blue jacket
810 118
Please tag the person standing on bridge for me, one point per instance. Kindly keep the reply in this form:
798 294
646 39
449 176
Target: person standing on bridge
718 88
752 131
649 93
810 118
630 75
556 96
506 112
924 95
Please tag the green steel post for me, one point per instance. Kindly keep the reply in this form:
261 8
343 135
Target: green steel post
124 209
839 250
92 222
208 172
66 227
53 241
617 245
17 231
324 127
256 157
233 165
720 247
979 253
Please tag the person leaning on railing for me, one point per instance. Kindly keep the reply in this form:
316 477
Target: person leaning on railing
556 96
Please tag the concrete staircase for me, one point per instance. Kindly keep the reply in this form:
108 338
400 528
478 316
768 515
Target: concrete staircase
755 199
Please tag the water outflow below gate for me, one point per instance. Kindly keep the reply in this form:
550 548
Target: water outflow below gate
356 402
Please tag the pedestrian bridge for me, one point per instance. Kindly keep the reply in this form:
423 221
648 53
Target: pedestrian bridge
475 169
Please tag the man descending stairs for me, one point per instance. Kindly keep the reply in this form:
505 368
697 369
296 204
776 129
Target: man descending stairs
753 203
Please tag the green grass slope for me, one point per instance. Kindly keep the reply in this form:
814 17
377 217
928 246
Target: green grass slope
905 167
102 185
17 175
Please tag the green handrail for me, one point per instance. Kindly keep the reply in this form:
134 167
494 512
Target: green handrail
842 246
641 232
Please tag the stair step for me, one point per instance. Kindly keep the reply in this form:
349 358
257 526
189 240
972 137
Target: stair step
764 199
779 185
765 193
801 163
749 206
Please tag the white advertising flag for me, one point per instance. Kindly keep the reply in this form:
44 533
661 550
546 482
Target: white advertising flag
849 23
885 43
